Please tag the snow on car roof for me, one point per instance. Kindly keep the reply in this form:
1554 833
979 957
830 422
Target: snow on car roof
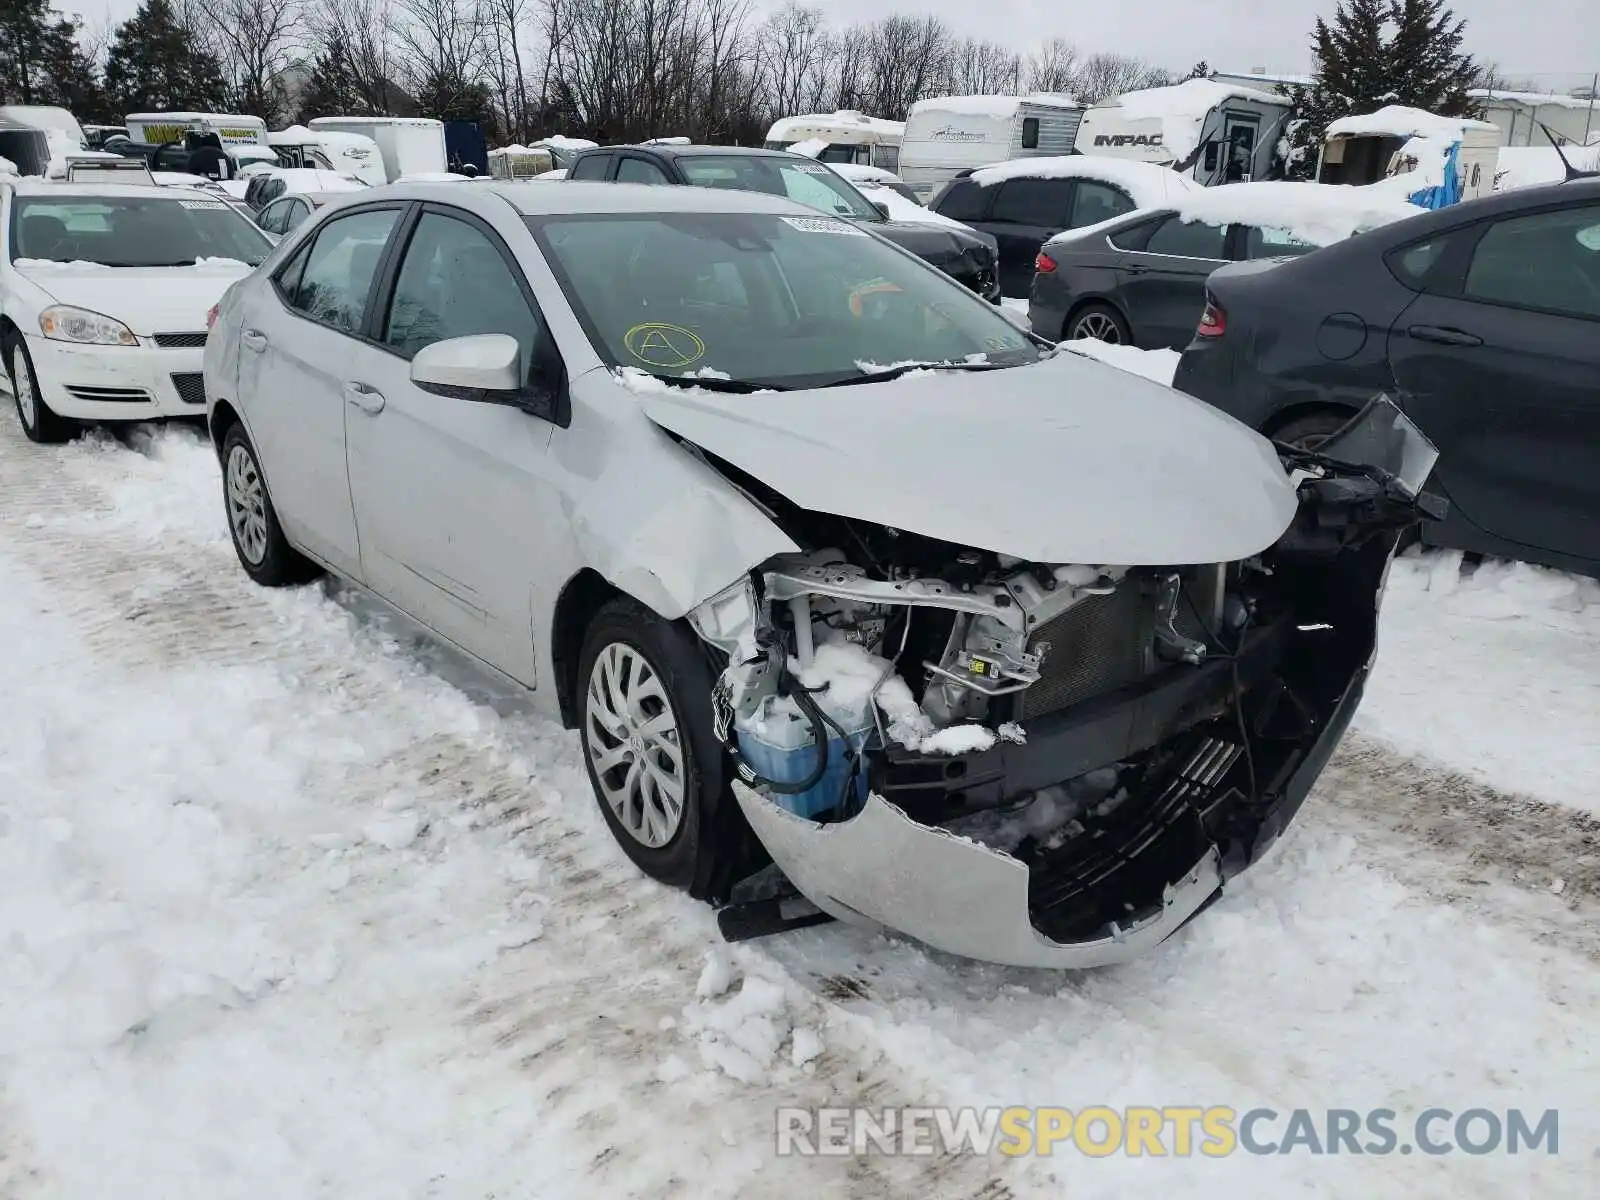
1396 120
1004 107
314 179
34 185
1318 213
862 173
1150 185
562 142
793 127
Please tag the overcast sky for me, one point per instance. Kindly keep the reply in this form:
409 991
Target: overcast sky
1553 41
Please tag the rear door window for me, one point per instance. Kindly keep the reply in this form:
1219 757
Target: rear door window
336 282
1095 202
1188 239
1548 261
590 166
640 170
1033 202
1265 241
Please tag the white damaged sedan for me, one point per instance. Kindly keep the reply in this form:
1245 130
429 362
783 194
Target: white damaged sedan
865 603
104 292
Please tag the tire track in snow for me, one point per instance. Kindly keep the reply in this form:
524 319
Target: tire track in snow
576 1017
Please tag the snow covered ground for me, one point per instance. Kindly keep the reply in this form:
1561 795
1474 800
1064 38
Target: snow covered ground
296 905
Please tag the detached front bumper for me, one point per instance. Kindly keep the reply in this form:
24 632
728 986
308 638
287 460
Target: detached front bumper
1234 748
119 383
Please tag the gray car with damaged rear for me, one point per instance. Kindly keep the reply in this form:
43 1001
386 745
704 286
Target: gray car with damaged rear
864 603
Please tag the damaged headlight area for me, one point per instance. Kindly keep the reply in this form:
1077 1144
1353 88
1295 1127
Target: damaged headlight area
1045 764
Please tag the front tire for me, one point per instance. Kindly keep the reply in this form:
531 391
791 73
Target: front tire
1100 322
39 422
1310 431
264 553
644 702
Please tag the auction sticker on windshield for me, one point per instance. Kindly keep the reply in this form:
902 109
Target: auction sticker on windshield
822 225
661 345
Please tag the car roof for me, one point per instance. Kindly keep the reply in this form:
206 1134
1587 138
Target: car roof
33 185
679 150
570 197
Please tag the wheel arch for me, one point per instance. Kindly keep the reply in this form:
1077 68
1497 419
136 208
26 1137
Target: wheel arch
223 417
1301 409
580 599
1094 301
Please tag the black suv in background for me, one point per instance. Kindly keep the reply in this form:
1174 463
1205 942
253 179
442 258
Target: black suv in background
967 256
1481 320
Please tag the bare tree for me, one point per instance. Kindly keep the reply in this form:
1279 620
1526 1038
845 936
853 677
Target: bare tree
1052 67
796 53
506 22
365 28
255 41
441 45
1103 77
983 69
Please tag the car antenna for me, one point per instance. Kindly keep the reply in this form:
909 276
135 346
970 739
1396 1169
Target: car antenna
1572 171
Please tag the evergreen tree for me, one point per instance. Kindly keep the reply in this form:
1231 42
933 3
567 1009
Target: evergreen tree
156 65
330 86
1201 70
1430 71
71 80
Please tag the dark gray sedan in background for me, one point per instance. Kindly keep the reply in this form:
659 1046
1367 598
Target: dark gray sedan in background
1139 280
1481 320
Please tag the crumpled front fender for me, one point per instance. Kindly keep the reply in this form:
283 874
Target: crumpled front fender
882 868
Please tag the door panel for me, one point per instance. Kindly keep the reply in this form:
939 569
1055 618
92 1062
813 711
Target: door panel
451 496
1163 286
297 338
1505 379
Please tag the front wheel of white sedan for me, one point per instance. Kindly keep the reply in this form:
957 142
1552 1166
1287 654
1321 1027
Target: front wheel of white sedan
38 420
263 551
644 704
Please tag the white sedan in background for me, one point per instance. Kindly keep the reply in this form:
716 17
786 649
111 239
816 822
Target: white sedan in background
104 292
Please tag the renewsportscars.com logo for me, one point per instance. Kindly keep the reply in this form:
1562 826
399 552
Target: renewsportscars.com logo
1170 1131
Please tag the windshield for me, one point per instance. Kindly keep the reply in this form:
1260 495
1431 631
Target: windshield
799 179
765 300
128 231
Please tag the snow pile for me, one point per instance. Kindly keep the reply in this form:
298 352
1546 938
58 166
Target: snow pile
853 678
908 211
1182 109
1002 108
50 264
1530 99
741 1023
1151 186
224 265
1396 120
1531 166
810 148
1494 671
847 120
558 141
1318 213
1159 365
7 167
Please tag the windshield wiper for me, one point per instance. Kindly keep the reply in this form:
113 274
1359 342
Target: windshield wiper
904 368
712 383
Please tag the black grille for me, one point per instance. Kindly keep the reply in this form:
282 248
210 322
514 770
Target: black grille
191 387
1098 644
180 341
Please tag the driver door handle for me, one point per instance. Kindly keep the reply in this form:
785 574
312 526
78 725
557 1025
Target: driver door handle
1444 336
364 398
254 339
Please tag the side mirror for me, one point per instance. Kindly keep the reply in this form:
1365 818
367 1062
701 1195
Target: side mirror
484 366
883 209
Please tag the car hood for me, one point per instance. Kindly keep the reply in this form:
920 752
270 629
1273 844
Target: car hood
147 300
1066 460
942 245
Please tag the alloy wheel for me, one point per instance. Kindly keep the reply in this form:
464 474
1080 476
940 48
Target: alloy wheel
632 739
1098 325
247 505
22 387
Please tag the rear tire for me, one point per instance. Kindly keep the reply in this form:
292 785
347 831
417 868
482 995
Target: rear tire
1100 322
264 553
1310 431
643 697
37 419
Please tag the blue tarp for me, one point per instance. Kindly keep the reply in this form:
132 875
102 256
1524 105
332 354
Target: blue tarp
1446 193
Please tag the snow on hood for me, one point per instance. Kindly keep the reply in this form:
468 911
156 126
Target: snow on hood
1318 213
1066 460
905 211
811 147
147 300
1396 120
1151 186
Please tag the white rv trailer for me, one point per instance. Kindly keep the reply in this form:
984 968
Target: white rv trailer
1457 154
1521 116
352 154
1211 132
952 134
408 145
848 136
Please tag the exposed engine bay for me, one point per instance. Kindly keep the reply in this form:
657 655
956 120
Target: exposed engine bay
1036 763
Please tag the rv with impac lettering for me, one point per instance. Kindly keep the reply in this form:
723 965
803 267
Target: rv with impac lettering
1211 132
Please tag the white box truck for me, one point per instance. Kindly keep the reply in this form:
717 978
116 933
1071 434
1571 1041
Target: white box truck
951 134
412 147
